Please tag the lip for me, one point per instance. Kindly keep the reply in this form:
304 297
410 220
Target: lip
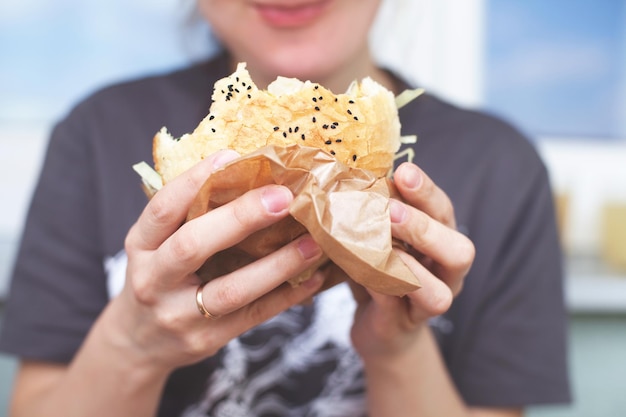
289 15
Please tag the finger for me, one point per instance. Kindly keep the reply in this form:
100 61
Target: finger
202 337
241 287
417 189
452 251
433 298
167 210
262 309
197 240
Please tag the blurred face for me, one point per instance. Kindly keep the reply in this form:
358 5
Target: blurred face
308 39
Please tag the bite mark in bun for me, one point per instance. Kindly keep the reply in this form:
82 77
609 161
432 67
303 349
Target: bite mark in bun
360 128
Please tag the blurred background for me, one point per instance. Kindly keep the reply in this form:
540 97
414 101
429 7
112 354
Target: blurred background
556 69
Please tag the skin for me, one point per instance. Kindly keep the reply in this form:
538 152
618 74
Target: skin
154 327
331 50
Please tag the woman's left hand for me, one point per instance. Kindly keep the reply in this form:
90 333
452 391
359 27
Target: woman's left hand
438 255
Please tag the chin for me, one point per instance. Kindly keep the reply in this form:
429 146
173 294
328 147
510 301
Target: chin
312 46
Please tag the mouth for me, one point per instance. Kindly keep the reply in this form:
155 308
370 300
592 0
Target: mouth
289 15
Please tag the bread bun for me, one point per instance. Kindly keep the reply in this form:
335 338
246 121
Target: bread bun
360 128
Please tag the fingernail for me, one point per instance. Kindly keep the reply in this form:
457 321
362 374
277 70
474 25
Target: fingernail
397 210
412 177
308 248
276 199
224 157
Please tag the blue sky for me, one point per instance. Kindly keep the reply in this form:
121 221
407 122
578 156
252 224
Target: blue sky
558 67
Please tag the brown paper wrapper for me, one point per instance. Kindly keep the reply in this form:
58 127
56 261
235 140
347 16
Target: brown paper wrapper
346 211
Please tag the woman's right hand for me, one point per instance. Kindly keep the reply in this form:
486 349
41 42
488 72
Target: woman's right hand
154 325
157 312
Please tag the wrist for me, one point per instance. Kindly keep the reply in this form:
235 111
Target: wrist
413 382
395 351
126 383
119 338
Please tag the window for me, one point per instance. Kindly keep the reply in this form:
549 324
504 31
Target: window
55 52
558 67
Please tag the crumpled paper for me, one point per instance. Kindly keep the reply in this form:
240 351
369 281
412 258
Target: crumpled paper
346 211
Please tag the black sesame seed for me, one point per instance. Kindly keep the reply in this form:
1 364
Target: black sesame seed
317 86
335 123
338 140
236 89
290 130
314 120
249 96
211 117
328 142
212 130
230 87
314 99
351 101
356 118
223 92
249 87
284 134
296 129
237 79
333 126
317 108
243 83
332 152
325 127
353 157
321 98
276 128
349 111
336 99
302 136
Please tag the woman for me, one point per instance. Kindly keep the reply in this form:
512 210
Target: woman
144 349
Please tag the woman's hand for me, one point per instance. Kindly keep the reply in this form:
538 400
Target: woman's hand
154 325
157 308
437 254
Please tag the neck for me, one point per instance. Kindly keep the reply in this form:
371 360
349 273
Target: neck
339 81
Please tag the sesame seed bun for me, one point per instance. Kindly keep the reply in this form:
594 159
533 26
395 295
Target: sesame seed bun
360 128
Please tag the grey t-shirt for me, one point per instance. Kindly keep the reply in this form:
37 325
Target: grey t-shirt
503 340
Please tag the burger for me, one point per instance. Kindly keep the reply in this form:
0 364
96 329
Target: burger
302 135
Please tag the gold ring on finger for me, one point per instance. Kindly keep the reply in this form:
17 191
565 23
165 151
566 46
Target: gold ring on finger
200 304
